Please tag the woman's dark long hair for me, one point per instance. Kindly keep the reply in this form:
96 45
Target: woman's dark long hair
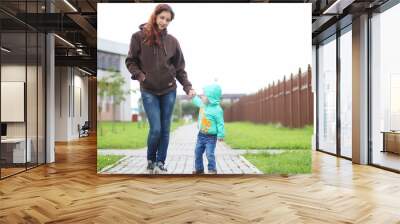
152 33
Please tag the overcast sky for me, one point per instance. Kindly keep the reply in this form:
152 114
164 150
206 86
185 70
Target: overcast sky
245 46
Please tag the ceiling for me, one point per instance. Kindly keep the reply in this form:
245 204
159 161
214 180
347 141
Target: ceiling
74 22
332 15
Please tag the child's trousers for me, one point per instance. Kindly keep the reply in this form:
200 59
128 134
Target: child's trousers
207 143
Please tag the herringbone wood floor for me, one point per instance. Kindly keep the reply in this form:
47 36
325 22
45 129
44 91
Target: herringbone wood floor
70 191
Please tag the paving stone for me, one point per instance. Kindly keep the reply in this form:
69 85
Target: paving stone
180 157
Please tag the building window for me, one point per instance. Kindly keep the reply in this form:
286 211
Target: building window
107 61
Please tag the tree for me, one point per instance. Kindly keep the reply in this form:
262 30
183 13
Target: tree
116 91
112 86
102 88
190 109
177 114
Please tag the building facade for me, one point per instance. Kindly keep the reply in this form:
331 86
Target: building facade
111 56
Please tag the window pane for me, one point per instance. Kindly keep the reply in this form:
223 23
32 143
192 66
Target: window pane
346 94
13 71
327 96
41 99
31 97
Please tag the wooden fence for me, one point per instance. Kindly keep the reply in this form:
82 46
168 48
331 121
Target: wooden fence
288 102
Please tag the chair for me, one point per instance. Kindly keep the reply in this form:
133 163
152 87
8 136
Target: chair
84 130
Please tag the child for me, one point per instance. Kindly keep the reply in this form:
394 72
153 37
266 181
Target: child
211 127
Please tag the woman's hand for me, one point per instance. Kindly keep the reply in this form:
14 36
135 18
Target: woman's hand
141 77
192 93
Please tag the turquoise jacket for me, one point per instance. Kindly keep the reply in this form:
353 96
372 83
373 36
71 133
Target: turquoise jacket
211 115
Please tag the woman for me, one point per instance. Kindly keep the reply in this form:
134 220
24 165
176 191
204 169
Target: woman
155 59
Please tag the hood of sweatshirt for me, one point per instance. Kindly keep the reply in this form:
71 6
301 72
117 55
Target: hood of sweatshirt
164 32
213 93
163 35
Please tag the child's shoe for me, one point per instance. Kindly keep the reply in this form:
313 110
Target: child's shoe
212 172
150 167
198 172
160 168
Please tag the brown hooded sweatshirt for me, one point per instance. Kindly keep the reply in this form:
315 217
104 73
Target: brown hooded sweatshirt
160 65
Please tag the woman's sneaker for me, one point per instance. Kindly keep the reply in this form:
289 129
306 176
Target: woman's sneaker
212 172
150 167
198 172
160 168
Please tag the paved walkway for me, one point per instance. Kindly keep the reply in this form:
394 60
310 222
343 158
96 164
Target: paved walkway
180 157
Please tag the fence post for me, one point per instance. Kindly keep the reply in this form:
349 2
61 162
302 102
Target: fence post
282 96
281 107
249 117
262 105
308 95
266 103
299 98
279 111
258 106
273 103
291 101
285 112
278 103
255 107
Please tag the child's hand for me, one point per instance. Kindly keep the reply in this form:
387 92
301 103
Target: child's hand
220 139
191 97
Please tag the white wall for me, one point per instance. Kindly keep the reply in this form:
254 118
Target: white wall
69 85
126 105
16 73
80 88
61 103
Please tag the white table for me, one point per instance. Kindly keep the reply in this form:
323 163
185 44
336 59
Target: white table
18 149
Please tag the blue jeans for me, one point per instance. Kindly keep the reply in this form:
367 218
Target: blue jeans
159 112
205 143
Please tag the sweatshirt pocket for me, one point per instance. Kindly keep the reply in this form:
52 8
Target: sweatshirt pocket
167 80
148 82
158 80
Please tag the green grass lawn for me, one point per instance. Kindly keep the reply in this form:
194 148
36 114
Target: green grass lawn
245 135
103 161
126 135
290 162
